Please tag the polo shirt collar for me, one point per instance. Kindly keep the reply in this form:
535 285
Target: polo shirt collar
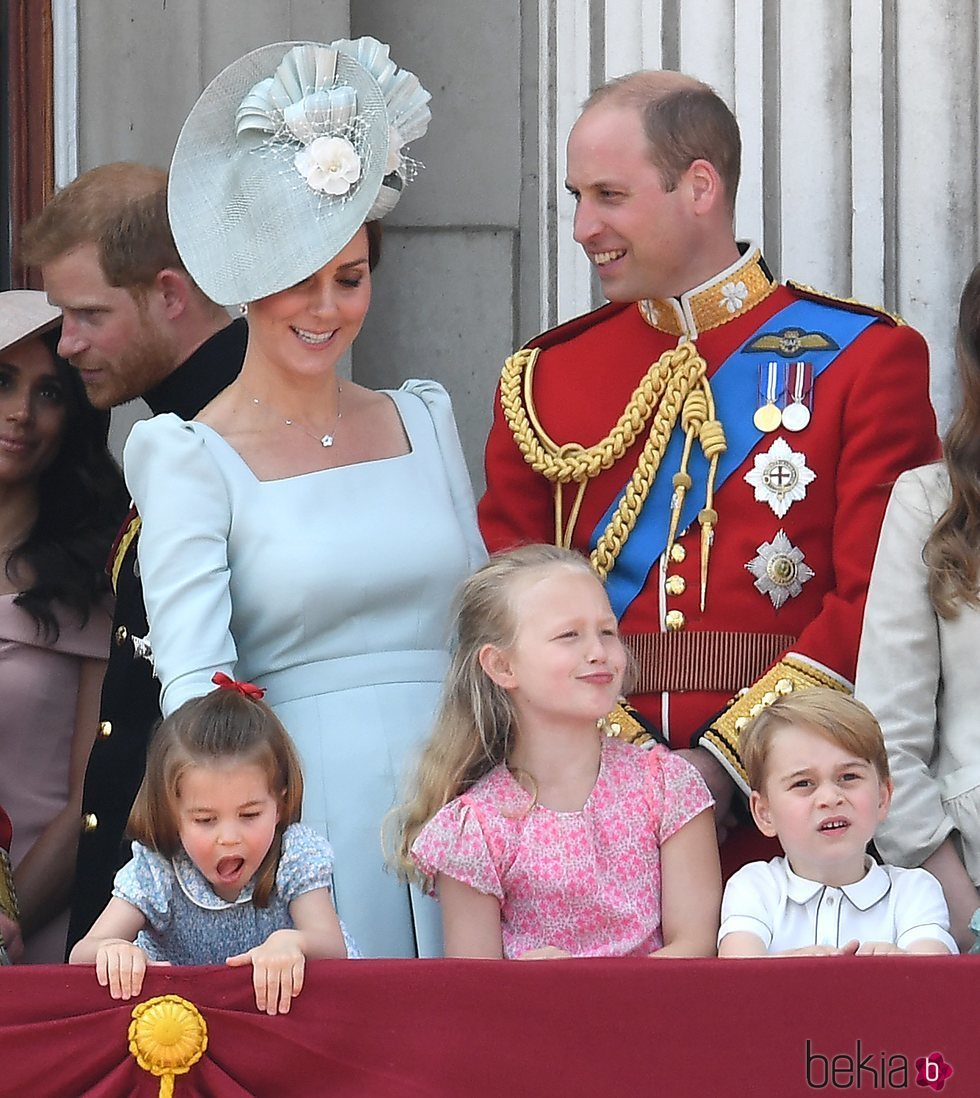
863 894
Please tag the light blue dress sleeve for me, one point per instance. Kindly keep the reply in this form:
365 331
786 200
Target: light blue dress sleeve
306 863
440 408
147 882
185 510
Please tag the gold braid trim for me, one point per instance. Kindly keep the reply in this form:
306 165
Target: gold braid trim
792 672
859 306
674 387
623 723
125 542
572 461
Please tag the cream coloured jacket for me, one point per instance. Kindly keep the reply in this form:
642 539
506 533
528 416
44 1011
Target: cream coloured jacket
919 674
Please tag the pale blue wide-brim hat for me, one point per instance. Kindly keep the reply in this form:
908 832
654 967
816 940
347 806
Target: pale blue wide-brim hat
284 156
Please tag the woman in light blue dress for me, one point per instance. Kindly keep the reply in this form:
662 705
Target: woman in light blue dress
305 533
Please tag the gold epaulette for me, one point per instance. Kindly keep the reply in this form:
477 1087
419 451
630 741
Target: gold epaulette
624 723
792 672
849 303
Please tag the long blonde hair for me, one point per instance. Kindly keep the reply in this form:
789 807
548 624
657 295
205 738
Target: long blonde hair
476 720
952 550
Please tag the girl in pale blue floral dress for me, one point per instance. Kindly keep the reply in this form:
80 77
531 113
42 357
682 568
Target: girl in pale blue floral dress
222 871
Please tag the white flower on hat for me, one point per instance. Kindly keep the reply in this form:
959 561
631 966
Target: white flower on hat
406 103
395 142
329 165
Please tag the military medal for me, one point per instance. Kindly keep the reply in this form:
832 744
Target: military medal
796 414
767 416
780 477
779 570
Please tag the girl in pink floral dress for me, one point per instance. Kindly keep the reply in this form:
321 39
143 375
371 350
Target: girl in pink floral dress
541 836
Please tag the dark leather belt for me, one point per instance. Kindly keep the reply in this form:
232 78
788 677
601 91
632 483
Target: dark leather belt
721 663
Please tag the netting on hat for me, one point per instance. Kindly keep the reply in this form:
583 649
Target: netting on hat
255 205
308 118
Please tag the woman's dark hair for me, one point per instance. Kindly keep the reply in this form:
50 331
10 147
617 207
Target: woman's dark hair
952 550
81 501
374 243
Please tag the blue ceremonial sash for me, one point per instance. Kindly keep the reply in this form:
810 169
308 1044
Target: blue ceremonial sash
735 388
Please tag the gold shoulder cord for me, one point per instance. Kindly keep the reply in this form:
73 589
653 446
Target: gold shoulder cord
122 548
674 387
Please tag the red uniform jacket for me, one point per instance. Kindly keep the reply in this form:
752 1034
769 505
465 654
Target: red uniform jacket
871 419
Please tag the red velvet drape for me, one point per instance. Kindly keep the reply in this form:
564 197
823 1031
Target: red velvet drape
467 1029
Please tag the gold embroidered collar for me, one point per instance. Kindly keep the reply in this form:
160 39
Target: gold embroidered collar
735 290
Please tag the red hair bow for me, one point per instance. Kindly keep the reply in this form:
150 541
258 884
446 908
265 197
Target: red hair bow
249 689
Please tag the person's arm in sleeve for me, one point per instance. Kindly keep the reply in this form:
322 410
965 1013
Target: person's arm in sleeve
185 512
518 506
440 409
746 914
922 917
45 874
899 675
899 678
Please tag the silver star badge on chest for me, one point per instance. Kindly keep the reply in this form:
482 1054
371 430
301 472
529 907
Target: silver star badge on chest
779 570
780 477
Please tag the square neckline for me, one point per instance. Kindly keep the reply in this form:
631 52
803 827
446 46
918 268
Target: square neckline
389 393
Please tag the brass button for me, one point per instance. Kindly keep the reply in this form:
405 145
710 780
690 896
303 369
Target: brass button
677 552
674 620
675 585
122 635
105 729
89 822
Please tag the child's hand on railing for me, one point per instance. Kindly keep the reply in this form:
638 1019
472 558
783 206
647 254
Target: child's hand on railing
278 965
120 965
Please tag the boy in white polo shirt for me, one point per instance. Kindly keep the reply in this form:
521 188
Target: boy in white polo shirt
820 784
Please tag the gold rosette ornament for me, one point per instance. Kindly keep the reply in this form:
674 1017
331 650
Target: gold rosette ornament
167 1036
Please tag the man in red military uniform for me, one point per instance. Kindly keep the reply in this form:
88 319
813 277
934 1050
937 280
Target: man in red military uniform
721 444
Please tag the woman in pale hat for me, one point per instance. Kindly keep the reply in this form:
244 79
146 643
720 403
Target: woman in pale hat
305 533
61 499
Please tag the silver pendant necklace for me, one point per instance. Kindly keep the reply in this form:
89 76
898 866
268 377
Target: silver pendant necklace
324 439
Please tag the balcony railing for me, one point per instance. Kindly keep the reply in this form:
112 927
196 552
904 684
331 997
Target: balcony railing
468 1029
